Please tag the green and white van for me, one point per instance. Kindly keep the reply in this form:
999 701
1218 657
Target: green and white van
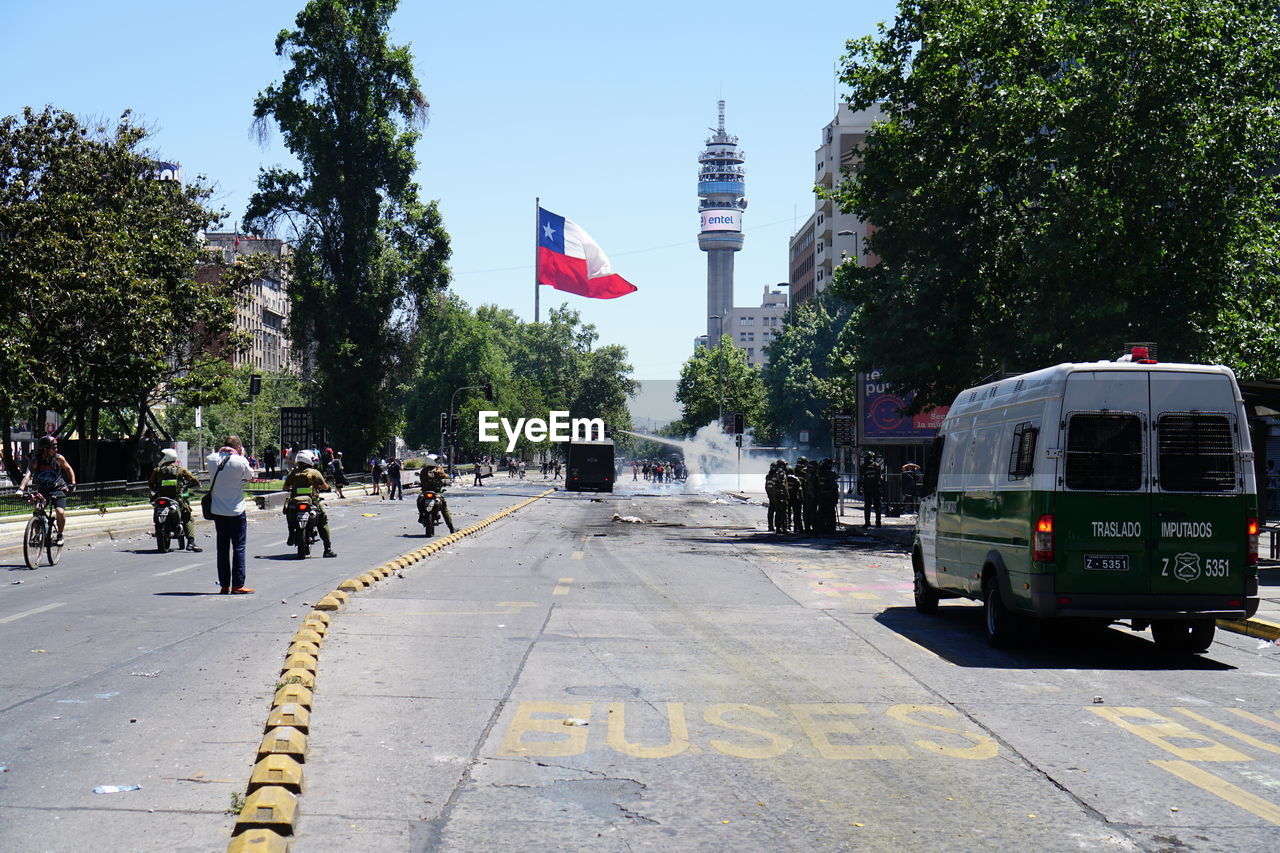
1101 491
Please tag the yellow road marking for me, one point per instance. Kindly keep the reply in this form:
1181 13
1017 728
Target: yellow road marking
32 612
1206 781
1168 735
577 555
562 588
1227 730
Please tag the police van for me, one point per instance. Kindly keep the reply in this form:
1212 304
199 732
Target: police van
1101 491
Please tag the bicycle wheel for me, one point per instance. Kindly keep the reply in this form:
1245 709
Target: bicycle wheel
53 549
33 541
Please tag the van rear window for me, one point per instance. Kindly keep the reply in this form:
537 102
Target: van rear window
1104 452
1197 452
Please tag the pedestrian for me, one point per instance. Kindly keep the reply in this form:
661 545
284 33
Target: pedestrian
871 481
338 475
230 472
911 486
395 488
269 457
375 473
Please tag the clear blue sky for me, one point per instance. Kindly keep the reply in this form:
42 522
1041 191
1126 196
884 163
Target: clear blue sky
600 109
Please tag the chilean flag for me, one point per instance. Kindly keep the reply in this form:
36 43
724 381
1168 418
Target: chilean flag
569 260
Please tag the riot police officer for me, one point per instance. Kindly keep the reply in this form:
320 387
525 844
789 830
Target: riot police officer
167 480
306 481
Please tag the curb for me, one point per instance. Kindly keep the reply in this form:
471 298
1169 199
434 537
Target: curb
270 813
1260 628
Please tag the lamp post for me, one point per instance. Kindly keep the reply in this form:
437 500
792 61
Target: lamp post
854 235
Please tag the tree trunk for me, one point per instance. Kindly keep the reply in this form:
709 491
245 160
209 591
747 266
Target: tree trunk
135 444
10 463
87 464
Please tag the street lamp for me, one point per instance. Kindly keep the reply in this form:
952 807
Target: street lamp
854 235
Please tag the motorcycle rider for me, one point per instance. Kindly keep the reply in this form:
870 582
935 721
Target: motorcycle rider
435 479
305 480
53 478
166 481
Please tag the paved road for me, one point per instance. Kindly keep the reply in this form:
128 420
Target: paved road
739 692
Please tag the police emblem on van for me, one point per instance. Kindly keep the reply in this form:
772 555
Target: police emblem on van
1186 567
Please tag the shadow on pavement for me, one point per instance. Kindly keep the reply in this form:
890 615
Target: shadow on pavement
186 594
955 634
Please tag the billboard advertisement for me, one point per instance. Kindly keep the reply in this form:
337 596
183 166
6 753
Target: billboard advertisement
882 420
721 219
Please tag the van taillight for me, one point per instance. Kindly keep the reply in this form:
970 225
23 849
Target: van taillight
1251 530
1042 540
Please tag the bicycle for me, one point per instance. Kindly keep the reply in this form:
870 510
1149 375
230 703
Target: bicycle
41 534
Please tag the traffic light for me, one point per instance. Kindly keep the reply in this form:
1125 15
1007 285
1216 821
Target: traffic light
444 423
737 439
453 423
488 391
737 425
255 385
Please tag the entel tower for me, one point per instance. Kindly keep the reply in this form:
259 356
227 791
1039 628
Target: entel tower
721 187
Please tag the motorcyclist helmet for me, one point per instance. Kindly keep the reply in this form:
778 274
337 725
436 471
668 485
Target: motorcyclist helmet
305 458
432 461
46 441
168 456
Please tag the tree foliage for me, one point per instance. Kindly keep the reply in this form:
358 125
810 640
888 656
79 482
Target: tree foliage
719 379
535 368
805 377
1054 178
100 305
369 255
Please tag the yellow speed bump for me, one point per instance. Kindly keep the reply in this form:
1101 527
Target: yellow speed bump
316 625
293 694
289 714
299 676
352 585
276 769
333 600
306 634
283 740
258 841
370 578
319 616
270 807
303 647
299 661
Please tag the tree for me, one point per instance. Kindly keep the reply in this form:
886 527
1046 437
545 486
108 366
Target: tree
801 382
1055 178
369 255
100 301
719 379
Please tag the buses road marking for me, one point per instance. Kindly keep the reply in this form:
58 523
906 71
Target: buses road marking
175 571
562 588
832 730
1206 781
32 612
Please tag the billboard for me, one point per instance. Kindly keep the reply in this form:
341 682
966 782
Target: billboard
882 420
721 219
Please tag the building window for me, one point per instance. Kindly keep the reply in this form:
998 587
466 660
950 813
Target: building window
742 321
751 353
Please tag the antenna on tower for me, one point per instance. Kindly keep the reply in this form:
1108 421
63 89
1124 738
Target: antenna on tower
721 116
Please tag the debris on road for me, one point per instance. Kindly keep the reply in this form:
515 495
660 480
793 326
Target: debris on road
629 519
147 674
1097 700
116 789
575 721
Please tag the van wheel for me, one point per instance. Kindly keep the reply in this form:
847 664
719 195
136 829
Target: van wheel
926 596
1001 623
1184 636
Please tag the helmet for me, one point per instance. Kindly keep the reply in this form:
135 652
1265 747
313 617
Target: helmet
168 456
46 441
432 461
305 457
802 461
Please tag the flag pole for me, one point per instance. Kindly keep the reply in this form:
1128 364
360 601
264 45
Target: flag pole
537 206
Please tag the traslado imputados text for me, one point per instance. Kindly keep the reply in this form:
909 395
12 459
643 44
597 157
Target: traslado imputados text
557 427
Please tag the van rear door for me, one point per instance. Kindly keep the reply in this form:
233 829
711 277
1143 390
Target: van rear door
1200 503
1102 508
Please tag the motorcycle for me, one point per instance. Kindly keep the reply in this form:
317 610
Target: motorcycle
429 511
167 517
307 521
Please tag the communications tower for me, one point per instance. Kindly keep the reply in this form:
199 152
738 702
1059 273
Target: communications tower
721 189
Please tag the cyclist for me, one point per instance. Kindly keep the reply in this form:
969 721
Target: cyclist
306 480
166 480
53 478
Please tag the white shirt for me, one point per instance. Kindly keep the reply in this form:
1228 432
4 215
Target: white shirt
228 488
